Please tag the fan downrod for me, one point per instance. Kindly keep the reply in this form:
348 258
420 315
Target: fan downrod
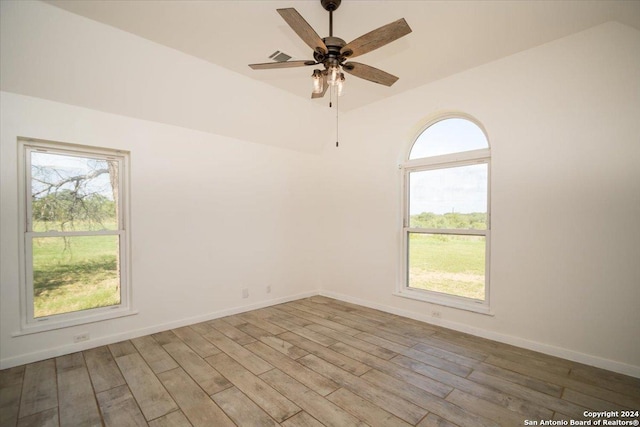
330 5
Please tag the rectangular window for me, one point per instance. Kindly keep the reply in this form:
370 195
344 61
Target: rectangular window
446 234
75 222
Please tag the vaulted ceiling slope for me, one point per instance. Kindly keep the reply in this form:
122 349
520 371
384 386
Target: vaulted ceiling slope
448 36
184 62
52 54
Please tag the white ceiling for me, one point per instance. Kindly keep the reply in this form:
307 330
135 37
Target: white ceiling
448 36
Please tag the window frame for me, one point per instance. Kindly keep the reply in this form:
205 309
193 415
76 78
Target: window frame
28 323
445 161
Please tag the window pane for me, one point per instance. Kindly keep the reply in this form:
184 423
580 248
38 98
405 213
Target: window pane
70 193
453 265
449 198
448 136
75 273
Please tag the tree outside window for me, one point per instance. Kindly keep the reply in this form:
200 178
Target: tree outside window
75 234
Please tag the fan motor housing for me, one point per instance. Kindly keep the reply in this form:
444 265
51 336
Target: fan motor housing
334 42
333 55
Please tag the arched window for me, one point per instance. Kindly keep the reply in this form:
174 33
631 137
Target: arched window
446 215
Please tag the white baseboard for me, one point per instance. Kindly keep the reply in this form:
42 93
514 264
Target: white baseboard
110 339
575 356
551 350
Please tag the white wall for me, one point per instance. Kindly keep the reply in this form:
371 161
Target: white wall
564 126
50 53
212 212
210 215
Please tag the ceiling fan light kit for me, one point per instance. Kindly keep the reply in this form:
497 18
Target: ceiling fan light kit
333 52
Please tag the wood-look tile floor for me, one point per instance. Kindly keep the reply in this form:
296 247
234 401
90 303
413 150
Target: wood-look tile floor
312 362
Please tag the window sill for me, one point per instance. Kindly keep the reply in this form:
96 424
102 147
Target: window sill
51 323
459 303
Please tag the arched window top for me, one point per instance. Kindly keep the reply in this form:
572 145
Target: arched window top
448 136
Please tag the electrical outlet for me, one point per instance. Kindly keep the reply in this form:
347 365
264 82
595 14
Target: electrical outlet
268 289
436 314
245 293
81 337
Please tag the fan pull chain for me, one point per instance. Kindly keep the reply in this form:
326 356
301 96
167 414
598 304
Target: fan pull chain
333 89
337 122
330 96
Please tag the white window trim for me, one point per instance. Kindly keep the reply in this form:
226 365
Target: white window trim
440 162
29 324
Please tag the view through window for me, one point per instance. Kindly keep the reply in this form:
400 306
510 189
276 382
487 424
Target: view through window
75 238
447 212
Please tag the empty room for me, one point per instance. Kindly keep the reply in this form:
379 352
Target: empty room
319 213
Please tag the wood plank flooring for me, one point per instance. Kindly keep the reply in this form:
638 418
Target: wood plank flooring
311 362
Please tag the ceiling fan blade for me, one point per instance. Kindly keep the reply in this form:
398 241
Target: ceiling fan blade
325 86
376 38
302 29
285 64
369 73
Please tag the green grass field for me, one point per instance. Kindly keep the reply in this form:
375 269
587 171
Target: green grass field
82 272
449 264
79 274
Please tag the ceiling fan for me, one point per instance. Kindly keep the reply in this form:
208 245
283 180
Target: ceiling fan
333 52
